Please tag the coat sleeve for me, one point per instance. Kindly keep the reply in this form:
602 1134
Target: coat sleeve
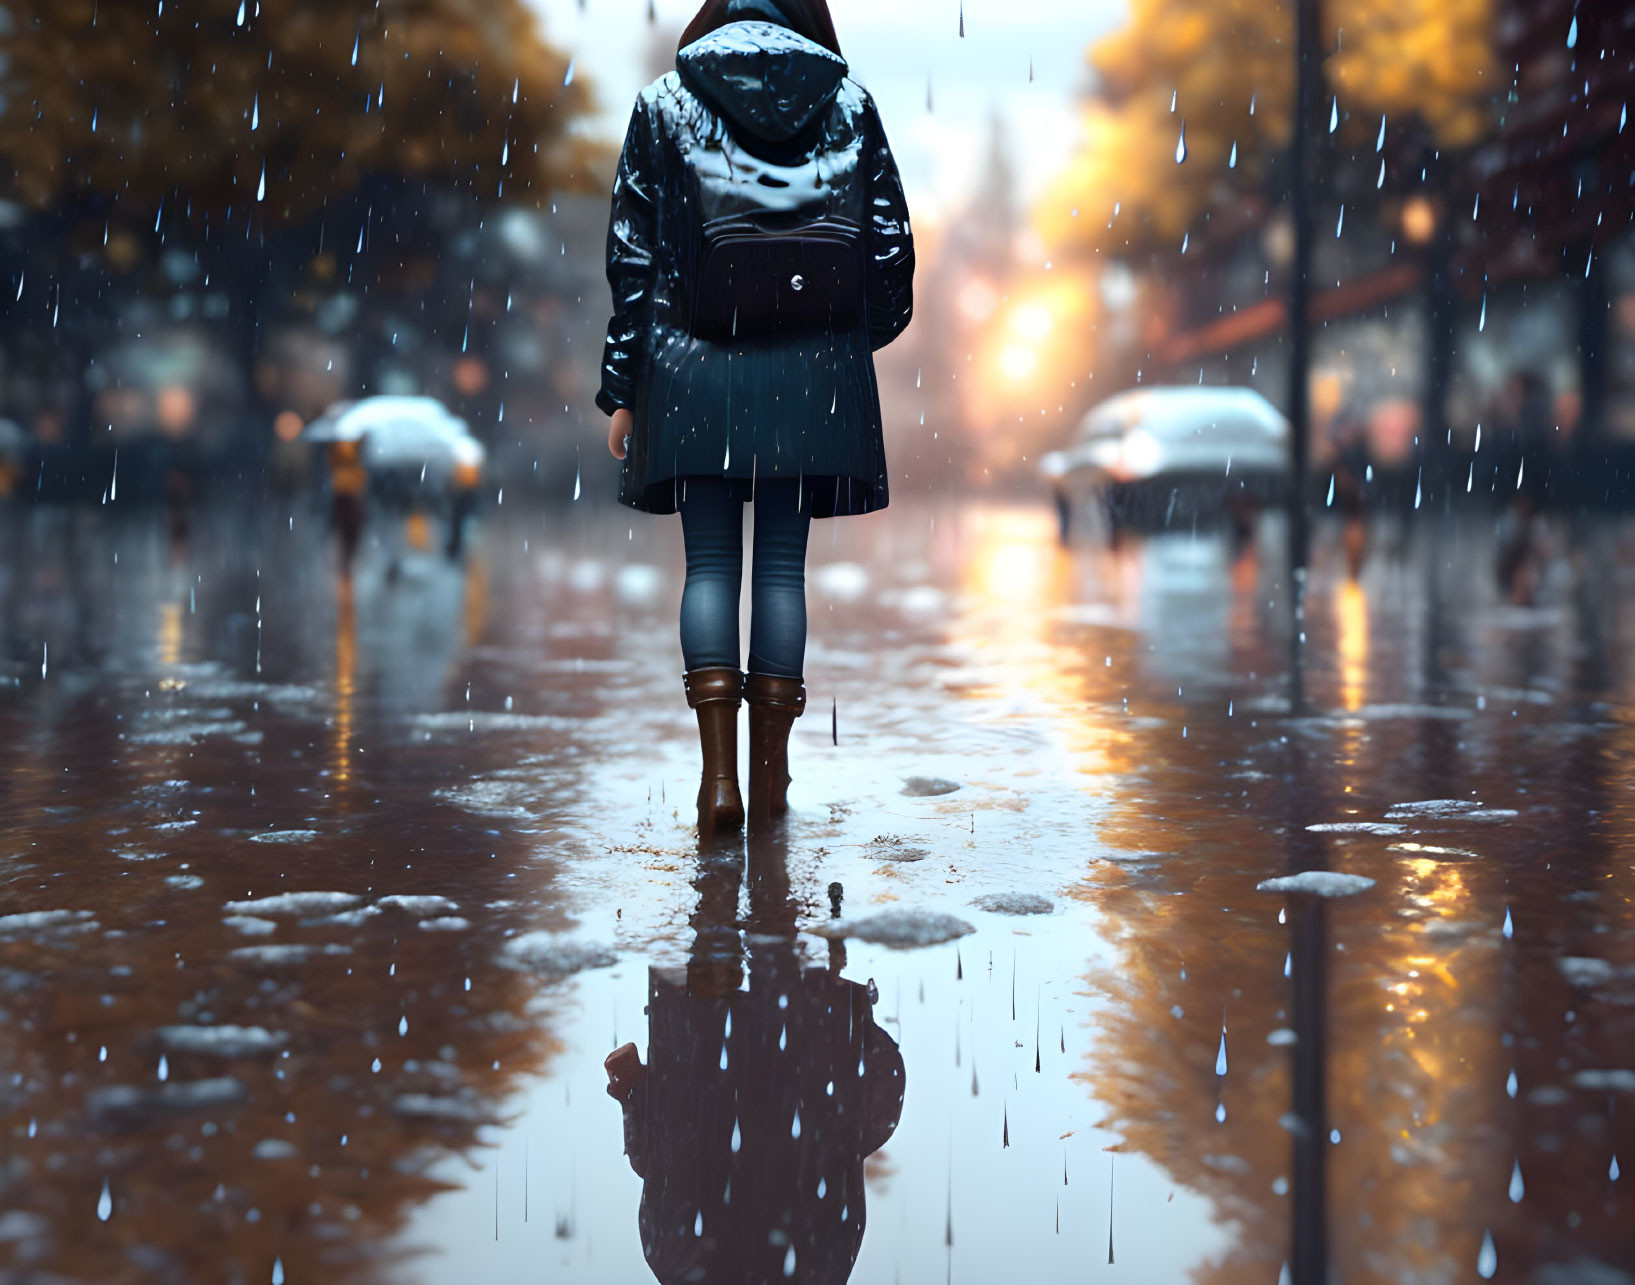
889 284
631 232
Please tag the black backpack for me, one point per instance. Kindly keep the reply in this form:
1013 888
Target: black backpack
771 277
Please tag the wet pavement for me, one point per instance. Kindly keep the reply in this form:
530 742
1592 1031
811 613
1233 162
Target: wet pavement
321 904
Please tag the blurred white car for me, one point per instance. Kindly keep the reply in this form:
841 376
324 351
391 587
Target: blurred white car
1152 459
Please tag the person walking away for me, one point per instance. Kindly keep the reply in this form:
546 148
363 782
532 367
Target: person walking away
759 252
348 481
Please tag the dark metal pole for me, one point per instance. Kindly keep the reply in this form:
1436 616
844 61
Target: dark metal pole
1308 1256
1307 109
1307 78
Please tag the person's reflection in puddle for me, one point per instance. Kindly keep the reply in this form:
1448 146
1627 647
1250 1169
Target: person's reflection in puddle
750 1122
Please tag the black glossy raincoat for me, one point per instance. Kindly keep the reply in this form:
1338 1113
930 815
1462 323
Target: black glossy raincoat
754 118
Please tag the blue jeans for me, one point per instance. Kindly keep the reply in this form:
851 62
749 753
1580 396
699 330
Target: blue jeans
712 524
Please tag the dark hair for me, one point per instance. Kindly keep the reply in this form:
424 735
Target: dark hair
809 18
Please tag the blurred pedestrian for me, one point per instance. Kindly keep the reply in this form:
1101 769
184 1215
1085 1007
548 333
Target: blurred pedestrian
348 482
759 251
1350 436
1524 423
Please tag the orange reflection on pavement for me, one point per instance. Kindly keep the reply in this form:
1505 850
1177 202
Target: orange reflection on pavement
346 667
1017 583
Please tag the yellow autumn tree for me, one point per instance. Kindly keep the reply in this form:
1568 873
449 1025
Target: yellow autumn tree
1193 100
284 103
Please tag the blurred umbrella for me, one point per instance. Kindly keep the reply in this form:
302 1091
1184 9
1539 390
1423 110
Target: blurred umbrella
13 440
416 433
337 424
397 430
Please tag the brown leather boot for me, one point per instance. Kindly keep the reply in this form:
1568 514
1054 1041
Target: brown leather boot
716 694
774 705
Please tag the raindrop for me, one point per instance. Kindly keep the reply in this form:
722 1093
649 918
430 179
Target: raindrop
1334 114
1478 437
505 151
1220 1113
1572 32
1329 503
789 1257
1509 928
1334 1137
515 86
93 120
1288 959
1612 1170
1220 1058
255 113
355 39
102 1053
1174 96
1623 117
403 1025
1380 181
567 78
261 187
375 1066
164 1068
962 37
1181 145
1232 160
1487 1261
1470 478
105 1203
723 1057
794 1128
1476 208
1510 1084
278 1272
1481 321
1520 469
1185 237
737 1137
1517 1187
240 13
1419 488
1252 98
823 1186
1339 224
1379 143
698 1223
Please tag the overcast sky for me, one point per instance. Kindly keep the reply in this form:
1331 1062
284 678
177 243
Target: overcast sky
895 47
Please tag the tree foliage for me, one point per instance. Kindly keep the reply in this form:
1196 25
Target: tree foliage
281 104
1221 72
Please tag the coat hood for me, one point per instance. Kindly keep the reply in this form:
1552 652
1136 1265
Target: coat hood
764 78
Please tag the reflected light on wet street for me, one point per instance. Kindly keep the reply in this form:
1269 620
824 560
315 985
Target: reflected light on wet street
324 898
